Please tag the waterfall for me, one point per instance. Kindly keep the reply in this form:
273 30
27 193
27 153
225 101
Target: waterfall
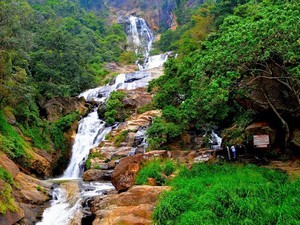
140 35
92 130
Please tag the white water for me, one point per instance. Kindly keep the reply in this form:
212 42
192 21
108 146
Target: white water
140 35
92 131
216 141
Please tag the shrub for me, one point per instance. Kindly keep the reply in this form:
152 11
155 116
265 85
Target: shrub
59 127
115 109
156 169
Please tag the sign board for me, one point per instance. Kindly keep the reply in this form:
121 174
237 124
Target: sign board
261 141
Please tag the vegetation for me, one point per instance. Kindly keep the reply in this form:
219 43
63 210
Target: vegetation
6 199
115 110
229 194
58 128
12 143
158 169
227 66
121 137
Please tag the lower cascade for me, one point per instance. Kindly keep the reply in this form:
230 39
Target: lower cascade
66 206
91 132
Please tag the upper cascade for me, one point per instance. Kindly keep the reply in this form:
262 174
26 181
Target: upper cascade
139 35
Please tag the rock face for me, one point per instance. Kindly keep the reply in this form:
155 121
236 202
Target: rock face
133 207
57 107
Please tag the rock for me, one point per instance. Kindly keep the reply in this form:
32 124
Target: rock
32 190
60 106
134 206
10 218
296 138
262 128
151 182
123 176
8 165
95 174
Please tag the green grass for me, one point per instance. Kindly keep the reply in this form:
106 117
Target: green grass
230 194
156 169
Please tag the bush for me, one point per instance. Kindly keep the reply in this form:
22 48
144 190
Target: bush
59 127
115 109
156 169
229 194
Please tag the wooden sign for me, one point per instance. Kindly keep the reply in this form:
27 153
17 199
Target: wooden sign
261 141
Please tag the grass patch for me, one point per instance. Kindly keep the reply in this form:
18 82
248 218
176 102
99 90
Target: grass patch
121 137
93 155
158 170
230 194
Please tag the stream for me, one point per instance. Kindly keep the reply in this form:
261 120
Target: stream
70 191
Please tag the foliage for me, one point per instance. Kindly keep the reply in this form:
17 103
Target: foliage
88 164
160 132
229 194
121 137
147 107
159 170
128 57
115 109
6 176
6 199
11 142
206 85
59 127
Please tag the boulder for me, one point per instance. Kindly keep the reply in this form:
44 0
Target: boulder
95 174
10 218
123 176
134 206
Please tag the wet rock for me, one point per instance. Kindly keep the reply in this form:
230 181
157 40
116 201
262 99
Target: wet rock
134 206
96 174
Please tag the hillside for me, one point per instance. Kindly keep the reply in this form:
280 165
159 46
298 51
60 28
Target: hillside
233 70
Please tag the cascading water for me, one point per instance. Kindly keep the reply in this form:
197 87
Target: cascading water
140 35
92 131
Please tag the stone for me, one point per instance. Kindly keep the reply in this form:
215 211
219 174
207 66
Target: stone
134 206
123 176
8 165
10 218
95 174
60 106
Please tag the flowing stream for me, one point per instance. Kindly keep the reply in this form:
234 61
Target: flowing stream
71 190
